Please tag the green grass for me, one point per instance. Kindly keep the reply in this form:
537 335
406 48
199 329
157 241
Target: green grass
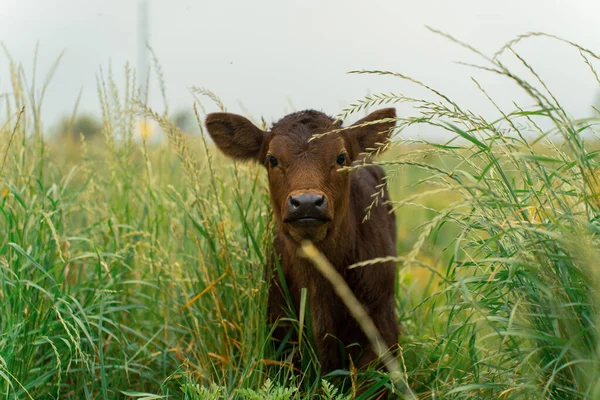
136 270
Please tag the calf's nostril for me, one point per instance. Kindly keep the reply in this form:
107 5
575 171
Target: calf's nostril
294 202
320 201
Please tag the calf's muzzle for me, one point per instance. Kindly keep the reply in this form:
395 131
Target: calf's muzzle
307 208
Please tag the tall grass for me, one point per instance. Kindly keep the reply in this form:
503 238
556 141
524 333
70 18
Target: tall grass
515 315
130 269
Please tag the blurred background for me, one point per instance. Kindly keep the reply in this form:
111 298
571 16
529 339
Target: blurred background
270 57
136 267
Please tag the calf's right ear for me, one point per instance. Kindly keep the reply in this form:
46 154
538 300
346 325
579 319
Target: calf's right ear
235 135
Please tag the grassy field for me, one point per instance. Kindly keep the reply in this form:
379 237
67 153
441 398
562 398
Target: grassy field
135 270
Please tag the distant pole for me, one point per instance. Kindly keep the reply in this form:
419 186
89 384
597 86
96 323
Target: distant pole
143 40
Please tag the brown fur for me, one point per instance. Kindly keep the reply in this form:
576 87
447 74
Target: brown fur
305 166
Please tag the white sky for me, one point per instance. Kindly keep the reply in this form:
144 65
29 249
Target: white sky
266 54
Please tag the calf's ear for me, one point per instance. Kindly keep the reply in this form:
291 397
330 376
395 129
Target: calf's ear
235 135
372 132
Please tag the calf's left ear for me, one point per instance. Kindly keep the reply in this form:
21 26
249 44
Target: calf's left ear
374 133
235 135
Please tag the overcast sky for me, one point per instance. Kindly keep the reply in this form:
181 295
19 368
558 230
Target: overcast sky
275 56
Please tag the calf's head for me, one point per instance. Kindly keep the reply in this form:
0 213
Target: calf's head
309 192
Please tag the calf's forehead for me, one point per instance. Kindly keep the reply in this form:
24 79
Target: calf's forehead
290 145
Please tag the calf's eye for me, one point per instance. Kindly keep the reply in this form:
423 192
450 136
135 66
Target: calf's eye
272 161
341 159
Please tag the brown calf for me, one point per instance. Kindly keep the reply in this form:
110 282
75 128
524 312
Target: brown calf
313 200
